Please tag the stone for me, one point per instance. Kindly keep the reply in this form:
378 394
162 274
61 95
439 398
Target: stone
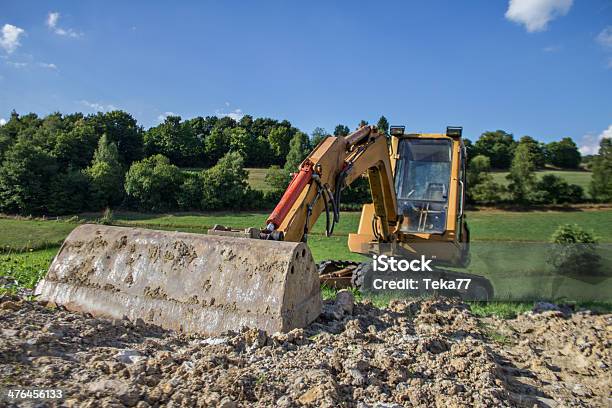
129 356
346 300
227 403
541 307
332 311
9 305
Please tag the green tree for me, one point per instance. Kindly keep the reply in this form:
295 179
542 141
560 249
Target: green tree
498 146
279 138
563 153
601 181
153 183
10 130
278 179
217 144
299 148
480 185
574 251
225 184
176 140
242 142
75 147
341 130
68 193
362 123
246 122
318 134
105 175
478 170
522 177
552 189
383 125
262 154
470 150
189 196
536 149
24 178
123 130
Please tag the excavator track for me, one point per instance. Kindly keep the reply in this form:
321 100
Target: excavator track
337 274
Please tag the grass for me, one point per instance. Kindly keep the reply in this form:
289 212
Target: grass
27 268
487 228
581 178
503 310
535 225
257 179
24 234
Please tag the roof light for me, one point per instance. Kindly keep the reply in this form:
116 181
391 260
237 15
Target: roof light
397 130
454 131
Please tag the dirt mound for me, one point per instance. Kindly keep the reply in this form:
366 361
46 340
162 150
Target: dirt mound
429 353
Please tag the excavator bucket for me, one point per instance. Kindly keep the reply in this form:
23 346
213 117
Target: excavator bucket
193 283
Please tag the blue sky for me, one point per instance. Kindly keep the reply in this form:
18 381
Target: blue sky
536 67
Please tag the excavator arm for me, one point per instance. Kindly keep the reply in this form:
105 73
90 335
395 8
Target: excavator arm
316 188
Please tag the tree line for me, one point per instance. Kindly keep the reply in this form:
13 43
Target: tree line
65 164
62 164
525 188
499 147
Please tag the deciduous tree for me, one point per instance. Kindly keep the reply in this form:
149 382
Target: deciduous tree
105 175
498 146
563 153
153 183
601 181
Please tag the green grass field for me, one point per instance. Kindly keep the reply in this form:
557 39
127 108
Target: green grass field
581 178
486 227
22 234
536 226
257 179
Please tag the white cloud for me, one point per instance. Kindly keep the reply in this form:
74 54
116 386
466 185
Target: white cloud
17 64
47 65
552 48
536 14
162 117
53 19
605 37
236 114
2 121
10 37
98 107
590 142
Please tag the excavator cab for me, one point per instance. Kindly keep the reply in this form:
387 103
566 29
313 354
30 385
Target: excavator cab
422 183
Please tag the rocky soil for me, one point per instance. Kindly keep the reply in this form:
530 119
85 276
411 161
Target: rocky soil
425 353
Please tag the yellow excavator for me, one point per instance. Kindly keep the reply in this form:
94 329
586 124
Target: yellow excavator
266 277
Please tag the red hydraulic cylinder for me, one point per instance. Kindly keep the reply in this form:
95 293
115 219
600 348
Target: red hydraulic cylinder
295 188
